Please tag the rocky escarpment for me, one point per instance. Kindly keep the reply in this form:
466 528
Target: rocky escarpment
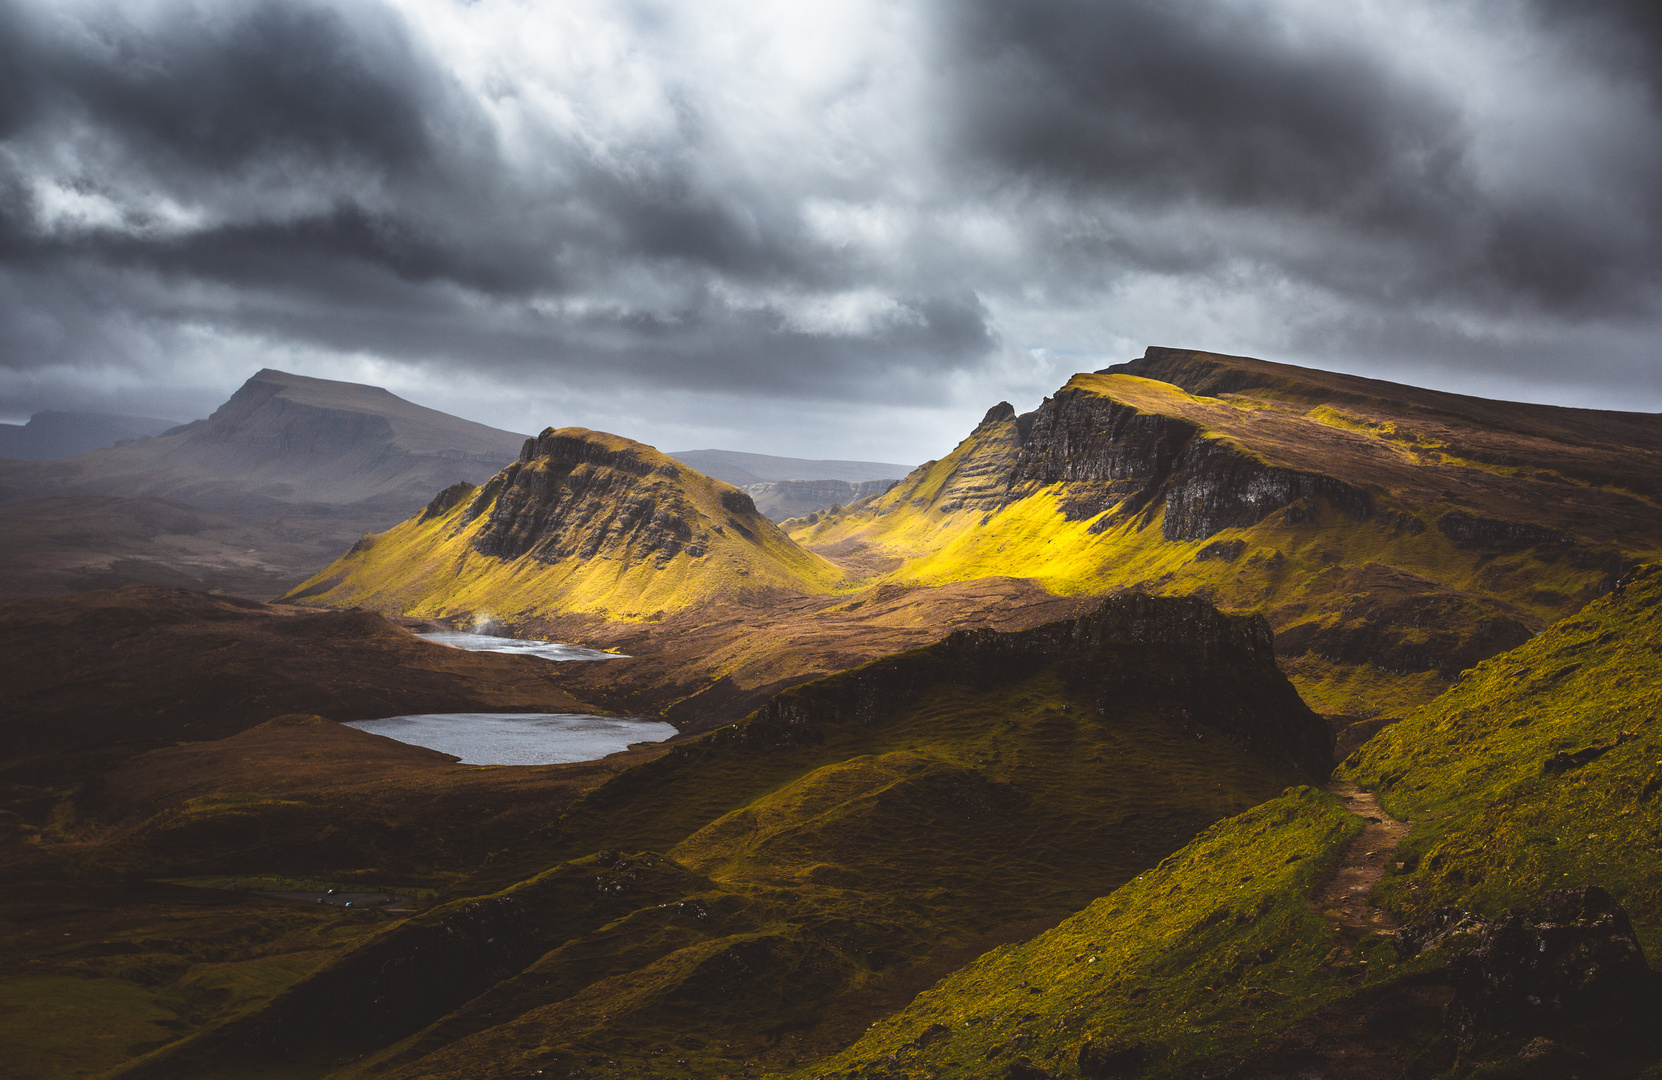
581 522
1205 672
571 496
1136 463
261 416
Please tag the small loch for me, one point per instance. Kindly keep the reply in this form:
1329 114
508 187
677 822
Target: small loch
482 738
548 650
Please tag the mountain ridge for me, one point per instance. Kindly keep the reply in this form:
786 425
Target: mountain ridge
54 433
741 469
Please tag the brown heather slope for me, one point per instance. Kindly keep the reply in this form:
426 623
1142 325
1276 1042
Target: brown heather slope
1392 536
90 680
144 737
304 796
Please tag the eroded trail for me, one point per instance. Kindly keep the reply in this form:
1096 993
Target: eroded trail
1345 898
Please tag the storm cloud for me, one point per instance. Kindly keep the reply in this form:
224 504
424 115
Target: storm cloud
840 232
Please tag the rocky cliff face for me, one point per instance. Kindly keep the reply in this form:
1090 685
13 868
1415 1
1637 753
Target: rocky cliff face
1114 456
1572 960
571 496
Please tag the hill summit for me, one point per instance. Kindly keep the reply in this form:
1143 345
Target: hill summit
583 521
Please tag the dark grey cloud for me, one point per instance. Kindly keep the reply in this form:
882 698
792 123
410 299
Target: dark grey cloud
1223 108
895 203
1176 101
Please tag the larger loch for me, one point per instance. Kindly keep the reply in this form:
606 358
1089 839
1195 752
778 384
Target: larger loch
488 738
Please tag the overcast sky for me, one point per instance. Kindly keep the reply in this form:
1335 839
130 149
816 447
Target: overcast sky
840 229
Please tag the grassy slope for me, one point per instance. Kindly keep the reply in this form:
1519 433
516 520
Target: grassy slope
1186 980
1199 957
431 567
1494 827
1326 571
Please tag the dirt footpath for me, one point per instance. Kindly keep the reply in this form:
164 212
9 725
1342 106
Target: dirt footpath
1345 899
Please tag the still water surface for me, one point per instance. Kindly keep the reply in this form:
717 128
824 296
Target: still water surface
548 650
519 738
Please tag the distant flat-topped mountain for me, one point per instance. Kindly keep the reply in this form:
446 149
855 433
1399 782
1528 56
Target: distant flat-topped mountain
293 469
292 439
58 434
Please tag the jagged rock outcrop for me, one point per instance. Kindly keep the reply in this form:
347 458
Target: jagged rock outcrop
1470 531
448 498
572 496
1112 454
1573 959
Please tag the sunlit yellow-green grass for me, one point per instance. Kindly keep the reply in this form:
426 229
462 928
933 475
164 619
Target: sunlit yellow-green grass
432 567
1200 956
1499 817
1326 570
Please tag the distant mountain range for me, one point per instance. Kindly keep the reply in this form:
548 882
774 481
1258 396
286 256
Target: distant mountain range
786 488
742 470
56 434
